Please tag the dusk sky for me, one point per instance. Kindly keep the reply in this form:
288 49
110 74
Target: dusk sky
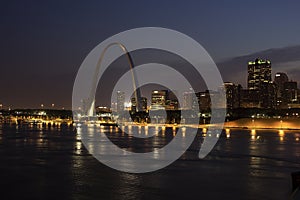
43 43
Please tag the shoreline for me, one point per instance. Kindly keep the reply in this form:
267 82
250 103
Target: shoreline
263 124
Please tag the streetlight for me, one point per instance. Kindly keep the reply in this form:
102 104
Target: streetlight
1 105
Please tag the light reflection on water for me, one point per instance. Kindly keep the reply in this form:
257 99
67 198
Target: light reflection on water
40 162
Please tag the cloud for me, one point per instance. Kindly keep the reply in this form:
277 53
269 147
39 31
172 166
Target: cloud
285 59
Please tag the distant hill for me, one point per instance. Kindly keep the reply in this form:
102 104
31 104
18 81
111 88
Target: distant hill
285 59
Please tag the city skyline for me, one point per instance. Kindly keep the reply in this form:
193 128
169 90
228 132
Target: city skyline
127 103
262 91
44 43
150 99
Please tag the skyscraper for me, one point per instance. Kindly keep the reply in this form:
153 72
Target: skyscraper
290 94
190 100
204 101
158 99
280 79
172 101
232 95
259 72
260 85
120 101
143 106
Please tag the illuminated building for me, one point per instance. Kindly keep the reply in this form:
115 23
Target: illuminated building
260 86
172 101
259 72
286 91
204 101
164 99
158 99
290 92
233 95
190 100
120 101
143 106
280 79
172 104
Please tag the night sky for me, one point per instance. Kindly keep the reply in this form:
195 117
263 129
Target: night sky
44 42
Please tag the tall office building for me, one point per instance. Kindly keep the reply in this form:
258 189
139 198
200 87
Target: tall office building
158 99
279 81
143 106
233 95
190 101
260 86
204 101
120 101
172 101
259 72
290 94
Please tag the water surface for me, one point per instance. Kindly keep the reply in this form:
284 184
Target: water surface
51 163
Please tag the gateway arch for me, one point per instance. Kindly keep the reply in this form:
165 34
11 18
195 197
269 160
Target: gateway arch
89 104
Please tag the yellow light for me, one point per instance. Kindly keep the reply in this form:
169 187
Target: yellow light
227 130
253 134
183 131
281 133
156 132
163 130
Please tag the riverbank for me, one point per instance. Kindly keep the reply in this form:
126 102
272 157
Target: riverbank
262 123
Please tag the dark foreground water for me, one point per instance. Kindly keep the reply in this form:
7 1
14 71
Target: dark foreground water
52 163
